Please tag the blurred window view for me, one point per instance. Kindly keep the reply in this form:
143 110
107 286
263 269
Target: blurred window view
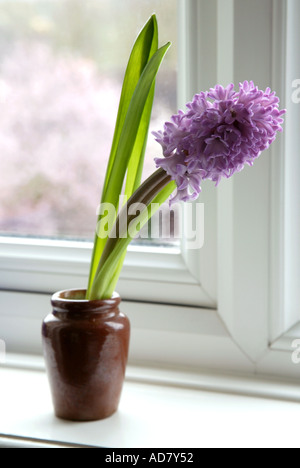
62 64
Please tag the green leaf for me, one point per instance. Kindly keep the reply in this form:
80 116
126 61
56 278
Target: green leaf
136 163
130 128
144 48
135 167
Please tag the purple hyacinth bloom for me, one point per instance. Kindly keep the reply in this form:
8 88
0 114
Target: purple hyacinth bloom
221 131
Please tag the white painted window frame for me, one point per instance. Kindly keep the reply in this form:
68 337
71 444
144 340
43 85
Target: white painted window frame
285 247
222 307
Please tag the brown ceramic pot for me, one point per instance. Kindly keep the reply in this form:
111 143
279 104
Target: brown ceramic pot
86 348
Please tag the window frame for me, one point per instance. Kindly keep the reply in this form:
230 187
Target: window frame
221 307
285 317
46 266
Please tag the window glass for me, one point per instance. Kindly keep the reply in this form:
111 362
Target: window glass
62 64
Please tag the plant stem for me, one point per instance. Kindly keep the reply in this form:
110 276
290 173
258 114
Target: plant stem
115 247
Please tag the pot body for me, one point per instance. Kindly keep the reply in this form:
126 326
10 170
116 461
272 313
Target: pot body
85 347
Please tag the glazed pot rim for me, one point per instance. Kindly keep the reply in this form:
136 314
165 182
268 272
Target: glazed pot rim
62 297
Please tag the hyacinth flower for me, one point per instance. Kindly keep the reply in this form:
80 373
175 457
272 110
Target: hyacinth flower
221 131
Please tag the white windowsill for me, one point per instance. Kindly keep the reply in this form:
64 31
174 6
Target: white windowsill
158 409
